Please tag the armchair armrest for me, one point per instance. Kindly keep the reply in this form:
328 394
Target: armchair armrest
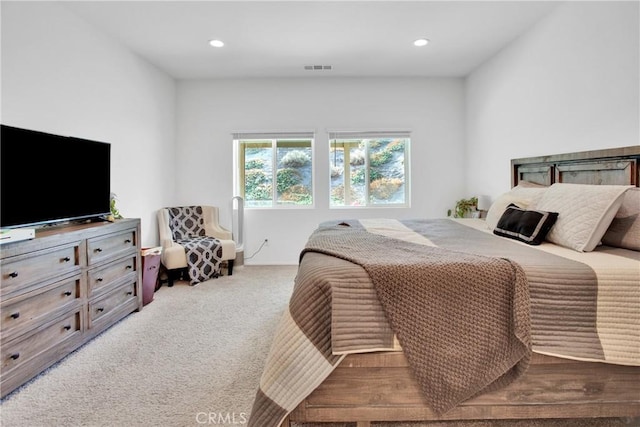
212 226
222 235
166 243
166 237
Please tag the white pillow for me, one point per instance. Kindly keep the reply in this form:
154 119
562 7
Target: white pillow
624 231
522 196
584 213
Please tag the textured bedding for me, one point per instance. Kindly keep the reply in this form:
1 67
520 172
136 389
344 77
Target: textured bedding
583 306
422 289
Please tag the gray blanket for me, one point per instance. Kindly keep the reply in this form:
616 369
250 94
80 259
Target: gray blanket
462 319
335 310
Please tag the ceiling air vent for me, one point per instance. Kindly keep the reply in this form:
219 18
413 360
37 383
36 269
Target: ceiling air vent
317 67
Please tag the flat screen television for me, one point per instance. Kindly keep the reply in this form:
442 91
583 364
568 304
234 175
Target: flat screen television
48 179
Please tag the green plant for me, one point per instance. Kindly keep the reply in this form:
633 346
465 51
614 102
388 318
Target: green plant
257 185
115 213
254 164
465 205
287 178
374 175
380 158
261 192
357 176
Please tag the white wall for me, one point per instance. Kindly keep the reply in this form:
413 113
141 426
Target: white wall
60 75
209 111
569 84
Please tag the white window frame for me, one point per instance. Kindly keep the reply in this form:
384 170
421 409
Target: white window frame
274 138
367 135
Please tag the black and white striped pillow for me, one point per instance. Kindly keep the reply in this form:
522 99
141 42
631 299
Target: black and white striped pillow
526 226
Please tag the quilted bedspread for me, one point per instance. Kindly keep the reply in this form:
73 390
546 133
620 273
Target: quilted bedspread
335 308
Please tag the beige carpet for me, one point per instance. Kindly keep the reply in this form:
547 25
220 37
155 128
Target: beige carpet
192 357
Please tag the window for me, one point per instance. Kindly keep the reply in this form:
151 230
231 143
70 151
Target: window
369 168
275 169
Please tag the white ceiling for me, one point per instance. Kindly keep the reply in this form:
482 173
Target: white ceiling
278 38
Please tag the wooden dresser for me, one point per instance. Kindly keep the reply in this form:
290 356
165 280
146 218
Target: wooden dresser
63 288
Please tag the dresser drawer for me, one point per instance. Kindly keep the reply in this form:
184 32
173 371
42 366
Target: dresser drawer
101 278
19 314
111 302
21 271
110 246
22 350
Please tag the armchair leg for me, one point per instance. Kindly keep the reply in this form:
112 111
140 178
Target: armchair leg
175 274
230 267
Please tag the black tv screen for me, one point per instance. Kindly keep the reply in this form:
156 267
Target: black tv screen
48 178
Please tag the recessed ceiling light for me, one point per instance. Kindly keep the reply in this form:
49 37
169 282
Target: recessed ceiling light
421 42
216 43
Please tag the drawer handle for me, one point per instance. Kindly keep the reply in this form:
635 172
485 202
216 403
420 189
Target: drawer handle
97 250
99 279
128 241
153 267
130 293
129 267
100 309
67 327
15 315
14 274
66 259
14 356
67 293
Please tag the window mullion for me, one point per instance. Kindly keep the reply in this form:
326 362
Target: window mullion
243 162
385 169
346 156
274 172
259 155
367 201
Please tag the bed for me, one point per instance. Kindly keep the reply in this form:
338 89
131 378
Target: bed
560 332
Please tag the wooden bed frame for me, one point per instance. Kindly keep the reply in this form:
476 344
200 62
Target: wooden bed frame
380 386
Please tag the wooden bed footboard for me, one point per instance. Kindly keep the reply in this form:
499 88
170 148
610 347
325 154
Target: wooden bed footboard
380 387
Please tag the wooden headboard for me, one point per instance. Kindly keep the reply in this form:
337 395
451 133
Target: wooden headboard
614 166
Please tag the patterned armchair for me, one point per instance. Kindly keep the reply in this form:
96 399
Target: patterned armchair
192 240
